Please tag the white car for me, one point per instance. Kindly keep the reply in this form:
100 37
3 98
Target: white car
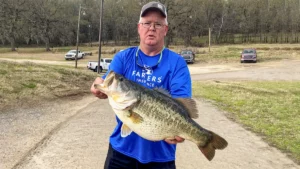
104 64
72 53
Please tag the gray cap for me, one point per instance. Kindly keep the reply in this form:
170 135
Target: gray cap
154 6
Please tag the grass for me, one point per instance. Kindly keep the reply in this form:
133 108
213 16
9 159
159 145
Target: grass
231 53
269 108
217 54
94 49
57 55
24 83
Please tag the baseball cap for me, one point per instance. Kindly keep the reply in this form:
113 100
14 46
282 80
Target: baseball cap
154 6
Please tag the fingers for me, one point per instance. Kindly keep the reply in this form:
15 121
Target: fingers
171 141
179 139
97 92
174 140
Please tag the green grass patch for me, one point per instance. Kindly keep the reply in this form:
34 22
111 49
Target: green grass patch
29 82
271 109
3 72
29 85
4 50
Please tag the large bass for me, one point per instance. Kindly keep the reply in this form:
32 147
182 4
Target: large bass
154 115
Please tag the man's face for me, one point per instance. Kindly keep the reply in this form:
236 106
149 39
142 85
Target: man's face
152 36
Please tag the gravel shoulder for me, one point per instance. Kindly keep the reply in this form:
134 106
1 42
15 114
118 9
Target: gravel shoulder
73 133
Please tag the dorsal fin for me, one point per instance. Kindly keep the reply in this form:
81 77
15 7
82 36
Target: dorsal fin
190 105
162 90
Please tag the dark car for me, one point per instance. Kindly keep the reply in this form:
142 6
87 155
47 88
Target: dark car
188 56
249 55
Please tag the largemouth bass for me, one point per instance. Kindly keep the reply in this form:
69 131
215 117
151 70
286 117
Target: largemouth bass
155 115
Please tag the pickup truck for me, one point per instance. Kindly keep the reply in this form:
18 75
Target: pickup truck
72 53
104 64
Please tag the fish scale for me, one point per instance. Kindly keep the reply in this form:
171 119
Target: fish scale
162 116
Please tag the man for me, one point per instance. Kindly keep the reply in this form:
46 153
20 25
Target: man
151 65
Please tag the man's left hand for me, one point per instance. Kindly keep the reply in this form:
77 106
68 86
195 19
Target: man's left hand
174 140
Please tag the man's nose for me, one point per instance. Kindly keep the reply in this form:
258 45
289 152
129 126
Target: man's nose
152 26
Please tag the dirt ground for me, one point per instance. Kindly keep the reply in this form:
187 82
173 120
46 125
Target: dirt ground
73 133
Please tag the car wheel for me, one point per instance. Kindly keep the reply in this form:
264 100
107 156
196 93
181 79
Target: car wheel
254 61
101 69
242 61
95 70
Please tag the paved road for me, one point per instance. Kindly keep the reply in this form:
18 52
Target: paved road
283 70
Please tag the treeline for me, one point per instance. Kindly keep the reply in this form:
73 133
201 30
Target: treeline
52 23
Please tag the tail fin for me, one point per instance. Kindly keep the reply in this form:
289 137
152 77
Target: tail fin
216 142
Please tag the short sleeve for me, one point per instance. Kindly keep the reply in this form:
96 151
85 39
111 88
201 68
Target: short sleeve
180 82
116 65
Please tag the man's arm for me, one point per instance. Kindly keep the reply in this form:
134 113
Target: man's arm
97 92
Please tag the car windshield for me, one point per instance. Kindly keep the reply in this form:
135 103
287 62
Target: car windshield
248 51
186 52
72 51
108 61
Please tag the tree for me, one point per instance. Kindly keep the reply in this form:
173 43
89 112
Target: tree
54 22
12 17
46 15
178 12
212 12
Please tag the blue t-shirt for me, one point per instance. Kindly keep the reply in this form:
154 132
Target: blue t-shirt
172 74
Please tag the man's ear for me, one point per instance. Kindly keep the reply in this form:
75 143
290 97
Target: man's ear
166 30
138 28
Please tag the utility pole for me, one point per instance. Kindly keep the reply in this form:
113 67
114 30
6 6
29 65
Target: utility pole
209 38
77 38
90 35
100 33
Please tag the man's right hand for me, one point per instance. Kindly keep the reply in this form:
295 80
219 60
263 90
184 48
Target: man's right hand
97 92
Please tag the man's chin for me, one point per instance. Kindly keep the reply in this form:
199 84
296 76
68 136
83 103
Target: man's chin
151 42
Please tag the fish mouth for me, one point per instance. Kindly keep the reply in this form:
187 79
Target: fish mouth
109 79
104 87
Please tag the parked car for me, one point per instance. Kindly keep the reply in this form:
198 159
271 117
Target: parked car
188 56
249 55
72 53
104 64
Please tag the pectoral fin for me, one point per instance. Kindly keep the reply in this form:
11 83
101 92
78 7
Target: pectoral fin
125 131
136 118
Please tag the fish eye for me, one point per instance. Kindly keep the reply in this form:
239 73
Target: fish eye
121 78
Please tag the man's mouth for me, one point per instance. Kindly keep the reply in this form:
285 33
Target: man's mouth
151 36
